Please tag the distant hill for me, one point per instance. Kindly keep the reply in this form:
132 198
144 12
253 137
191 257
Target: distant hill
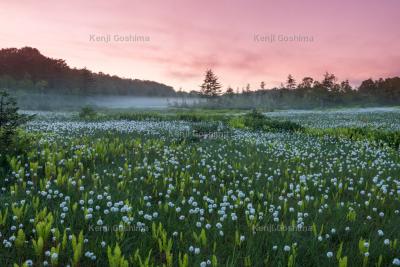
28 69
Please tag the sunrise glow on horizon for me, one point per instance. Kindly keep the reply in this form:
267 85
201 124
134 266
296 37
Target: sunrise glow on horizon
174 42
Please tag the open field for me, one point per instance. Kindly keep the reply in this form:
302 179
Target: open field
208 188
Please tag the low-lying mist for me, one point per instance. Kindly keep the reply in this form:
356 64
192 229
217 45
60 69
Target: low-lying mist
138 102
57 102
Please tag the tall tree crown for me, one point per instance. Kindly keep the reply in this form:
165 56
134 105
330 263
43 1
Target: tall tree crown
210 87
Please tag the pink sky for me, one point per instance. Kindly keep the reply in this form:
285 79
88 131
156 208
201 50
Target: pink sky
355 40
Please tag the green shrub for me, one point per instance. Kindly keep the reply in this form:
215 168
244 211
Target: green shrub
255 120
259 122
237 122
87 113
10 120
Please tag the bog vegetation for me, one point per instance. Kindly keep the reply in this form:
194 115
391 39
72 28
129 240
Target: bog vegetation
210 188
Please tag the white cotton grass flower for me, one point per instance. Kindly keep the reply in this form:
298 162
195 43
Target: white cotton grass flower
386 241
286 248
396 262
329 254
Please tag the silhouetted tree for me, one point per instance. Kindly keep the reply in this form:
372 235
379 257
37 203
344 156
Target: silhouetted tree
367 87
262 85
229 91
307 82
329 81
210 87
345 87
248 88
290 83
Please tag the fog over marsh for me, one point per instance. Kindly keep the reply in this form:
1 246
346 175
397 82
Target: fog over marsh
57 102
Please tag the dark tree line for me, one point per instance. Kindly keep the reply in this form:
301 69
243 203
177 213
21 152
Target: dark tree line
28 69
330 92
309 93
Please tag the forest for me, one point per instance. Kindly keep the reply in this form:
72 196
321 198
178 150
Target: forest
27 69
309 93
